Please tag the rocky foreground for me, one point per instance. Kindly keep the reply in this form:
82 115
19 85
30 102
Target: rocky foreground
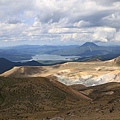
47 99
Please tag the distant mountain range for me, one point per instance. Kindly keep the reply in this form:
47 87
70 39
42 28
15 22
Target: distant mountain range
88 49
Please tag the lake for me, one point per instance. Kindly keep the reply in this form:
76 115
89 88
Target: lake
54 57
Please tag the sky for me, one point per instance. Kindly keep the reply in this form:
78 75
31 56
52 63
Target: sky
59 22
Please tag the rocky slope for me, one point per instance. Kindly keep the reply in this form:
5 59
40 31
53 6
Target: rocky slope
23 98
105 104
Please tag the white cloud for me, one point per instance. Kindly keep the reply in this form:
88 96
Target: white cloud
71 20
81 24
117 36
104 34
58 30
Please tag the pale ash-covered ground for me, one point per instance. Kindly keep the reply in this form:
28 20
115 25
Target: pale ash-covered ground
87 73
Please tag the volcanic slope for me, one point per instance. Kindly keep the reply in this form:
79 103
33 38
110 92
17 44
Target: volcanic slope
87 73
36 98
105 104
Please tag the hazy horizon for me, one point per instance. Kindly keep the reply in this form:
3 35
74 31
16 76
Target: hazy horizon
67 44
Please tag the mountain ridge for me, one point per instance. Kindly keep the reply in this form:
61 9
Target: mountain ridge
86 44
7 65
